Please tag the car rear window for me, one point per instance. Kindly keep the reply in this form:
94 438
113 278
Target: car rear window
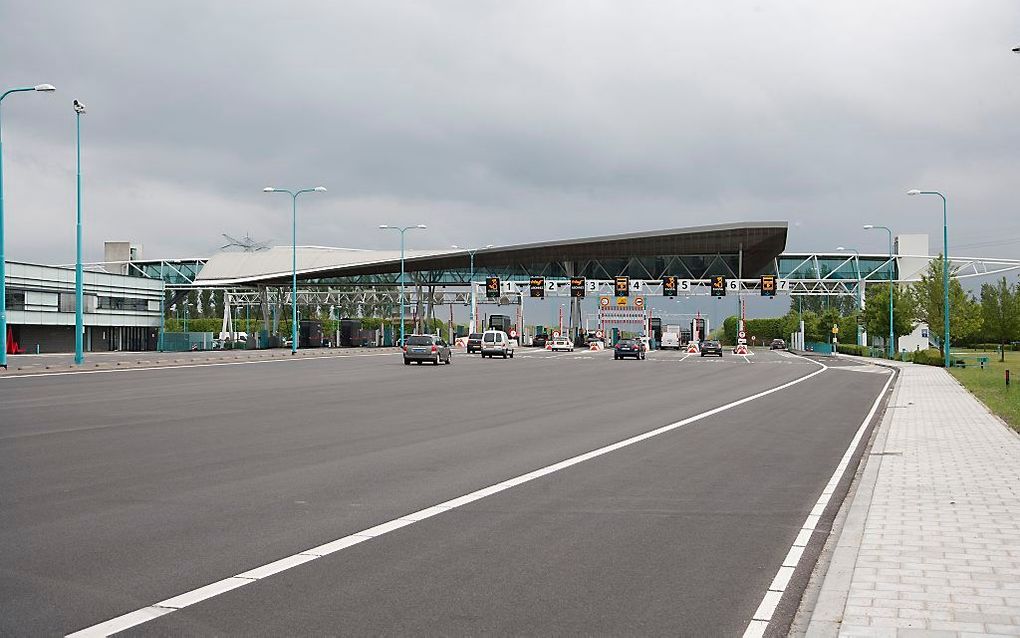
475 335
490 337
419 341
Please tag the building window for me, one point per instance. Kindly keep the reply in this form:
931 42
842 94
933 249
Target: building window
15 300
123 303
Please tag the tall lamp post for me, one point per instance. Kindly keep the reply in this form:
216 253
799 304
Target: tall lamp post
402 230
293 255
945 270
471 254
892 339
860 288
3 264
79 313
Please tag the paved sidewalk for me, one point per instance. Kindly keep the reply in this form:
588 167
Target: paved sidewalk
935 550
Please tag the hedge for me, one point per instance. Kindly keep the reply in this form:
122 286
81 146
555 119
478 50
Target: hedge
849 348
929 357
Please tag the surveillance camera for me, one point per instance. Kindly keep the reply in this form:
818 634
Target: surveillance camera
79 107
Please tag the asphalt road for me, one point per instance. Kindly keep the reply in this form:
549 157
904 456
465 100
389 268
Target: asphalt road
123 489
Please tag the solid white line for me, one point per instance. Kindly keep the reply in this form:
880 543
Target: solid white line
31 375
252 575
763 616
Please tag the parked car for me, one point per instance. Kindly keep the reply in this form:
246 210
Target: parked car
628 348
777 344
540 340
711 347
474 342
560 343
496 343
422 348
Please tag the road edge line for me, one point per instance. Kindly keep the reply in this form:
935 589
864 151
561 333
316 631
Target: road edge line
140 616
763 615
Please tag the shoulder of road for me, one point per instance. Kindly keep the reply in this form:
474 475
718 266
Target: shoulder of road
931 542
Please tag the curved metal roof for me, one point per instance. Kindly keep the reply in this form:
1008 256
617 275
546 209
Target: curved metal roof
759 242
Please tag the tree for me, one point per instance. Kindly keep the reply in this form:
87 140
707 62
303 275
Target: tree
876 311
927 296
1000 311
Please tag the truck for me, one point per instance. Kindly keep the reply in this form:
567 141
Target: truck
670 338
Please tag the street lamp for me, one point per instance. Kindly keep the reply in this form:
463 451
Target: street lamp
46 88
945 269
892 338
471 253
402 230
860 288
79 316
293 274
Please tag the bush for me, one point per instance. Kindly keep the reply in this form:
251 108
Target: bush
850 348
929 357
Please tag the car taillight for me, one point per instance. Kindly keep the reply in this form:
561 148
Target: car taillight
434 350
405 348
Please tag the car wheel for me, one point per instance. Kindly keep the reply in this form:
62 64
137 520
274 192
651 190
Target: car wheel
407 362
511 355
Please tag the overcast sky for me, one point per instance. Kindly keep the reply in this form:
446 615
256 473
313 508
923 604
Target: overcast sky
506 122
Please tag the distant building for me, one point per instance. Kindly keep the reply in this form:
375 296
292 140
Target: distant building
120 312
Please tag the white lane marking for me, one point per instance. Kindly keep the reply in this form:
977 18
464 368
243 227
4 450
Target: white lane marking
194 365
684 358
145 614
763 616
745 358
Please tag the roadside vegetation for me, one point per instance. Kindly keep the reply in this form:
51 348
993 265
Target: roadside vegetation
989 385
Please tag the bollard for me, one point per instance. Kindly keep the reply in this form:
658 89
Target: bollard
37 348
1007 377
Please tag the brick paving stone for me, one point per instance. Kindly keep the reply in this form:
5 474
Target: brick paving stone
941 541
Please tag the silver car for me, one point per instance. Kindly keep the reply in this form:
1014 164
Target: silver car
422 348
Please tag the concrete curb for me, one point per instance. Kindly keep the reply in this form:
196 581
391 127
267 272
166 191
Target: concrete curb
827 616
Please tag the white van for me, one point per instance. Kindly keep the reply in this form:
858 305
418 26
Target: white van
670 341
497 343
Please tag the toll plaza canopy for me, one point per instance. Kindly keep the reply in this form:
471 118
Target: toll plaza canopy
745 249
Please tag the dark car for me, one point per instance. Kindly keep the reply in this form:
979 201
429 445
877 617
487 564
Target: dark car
711 347
540 340
422 348
628 348
777 344
474 342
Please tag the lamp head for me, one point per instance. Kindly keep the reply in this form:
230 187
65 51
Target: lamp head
455 246
319 189
79 107
913 191
488 245
840 248
268 189
868 226
46 88
384 226
421 226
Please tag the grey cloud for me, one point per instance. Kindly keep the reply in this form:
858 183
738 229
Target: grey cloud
539 118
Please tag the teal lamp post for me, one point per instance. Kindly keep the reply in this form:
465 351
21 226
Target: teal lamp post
860 288
79 314
892 339
945 270
402 230
293 256
471 254
46 88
